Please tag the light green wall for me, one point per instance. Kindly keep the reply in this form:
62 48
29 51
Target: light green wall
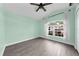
16 28
20 28
76 27
2 31
71 21
72 26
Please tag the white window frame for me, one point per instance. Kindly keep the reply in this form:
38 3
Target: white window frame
46 28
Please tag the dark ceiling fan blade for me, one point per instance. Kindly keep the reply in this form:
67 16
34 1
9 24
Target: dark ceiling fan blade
38 9
34 4
43 8
47 4
70 4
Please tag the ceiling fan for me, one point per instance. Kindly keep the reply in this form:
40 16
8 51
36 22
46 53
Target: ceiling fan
40 6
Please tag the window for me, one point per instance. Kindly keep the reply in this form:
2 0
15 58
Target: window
56 28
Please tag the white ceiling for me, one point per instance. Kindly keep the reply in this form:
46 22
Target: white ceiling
30 10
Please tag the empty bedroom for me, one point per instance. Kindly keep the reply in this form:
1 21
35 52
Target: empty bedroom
39 29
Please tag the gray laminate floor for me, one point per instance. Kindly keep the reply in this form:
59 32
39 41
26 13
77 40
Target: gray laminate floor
40 47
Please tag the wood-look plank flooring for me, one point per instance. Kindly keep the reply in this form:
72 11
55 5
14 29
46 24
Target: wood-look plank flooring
40 47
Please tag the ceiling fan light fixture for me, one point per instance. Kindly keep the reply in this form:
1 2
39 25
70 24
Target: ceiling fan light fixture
40 6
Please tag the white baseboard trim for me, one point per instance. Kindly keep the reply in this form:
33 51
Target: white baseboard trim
75 47
58 40
2 51
22 41
78 51
37 37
